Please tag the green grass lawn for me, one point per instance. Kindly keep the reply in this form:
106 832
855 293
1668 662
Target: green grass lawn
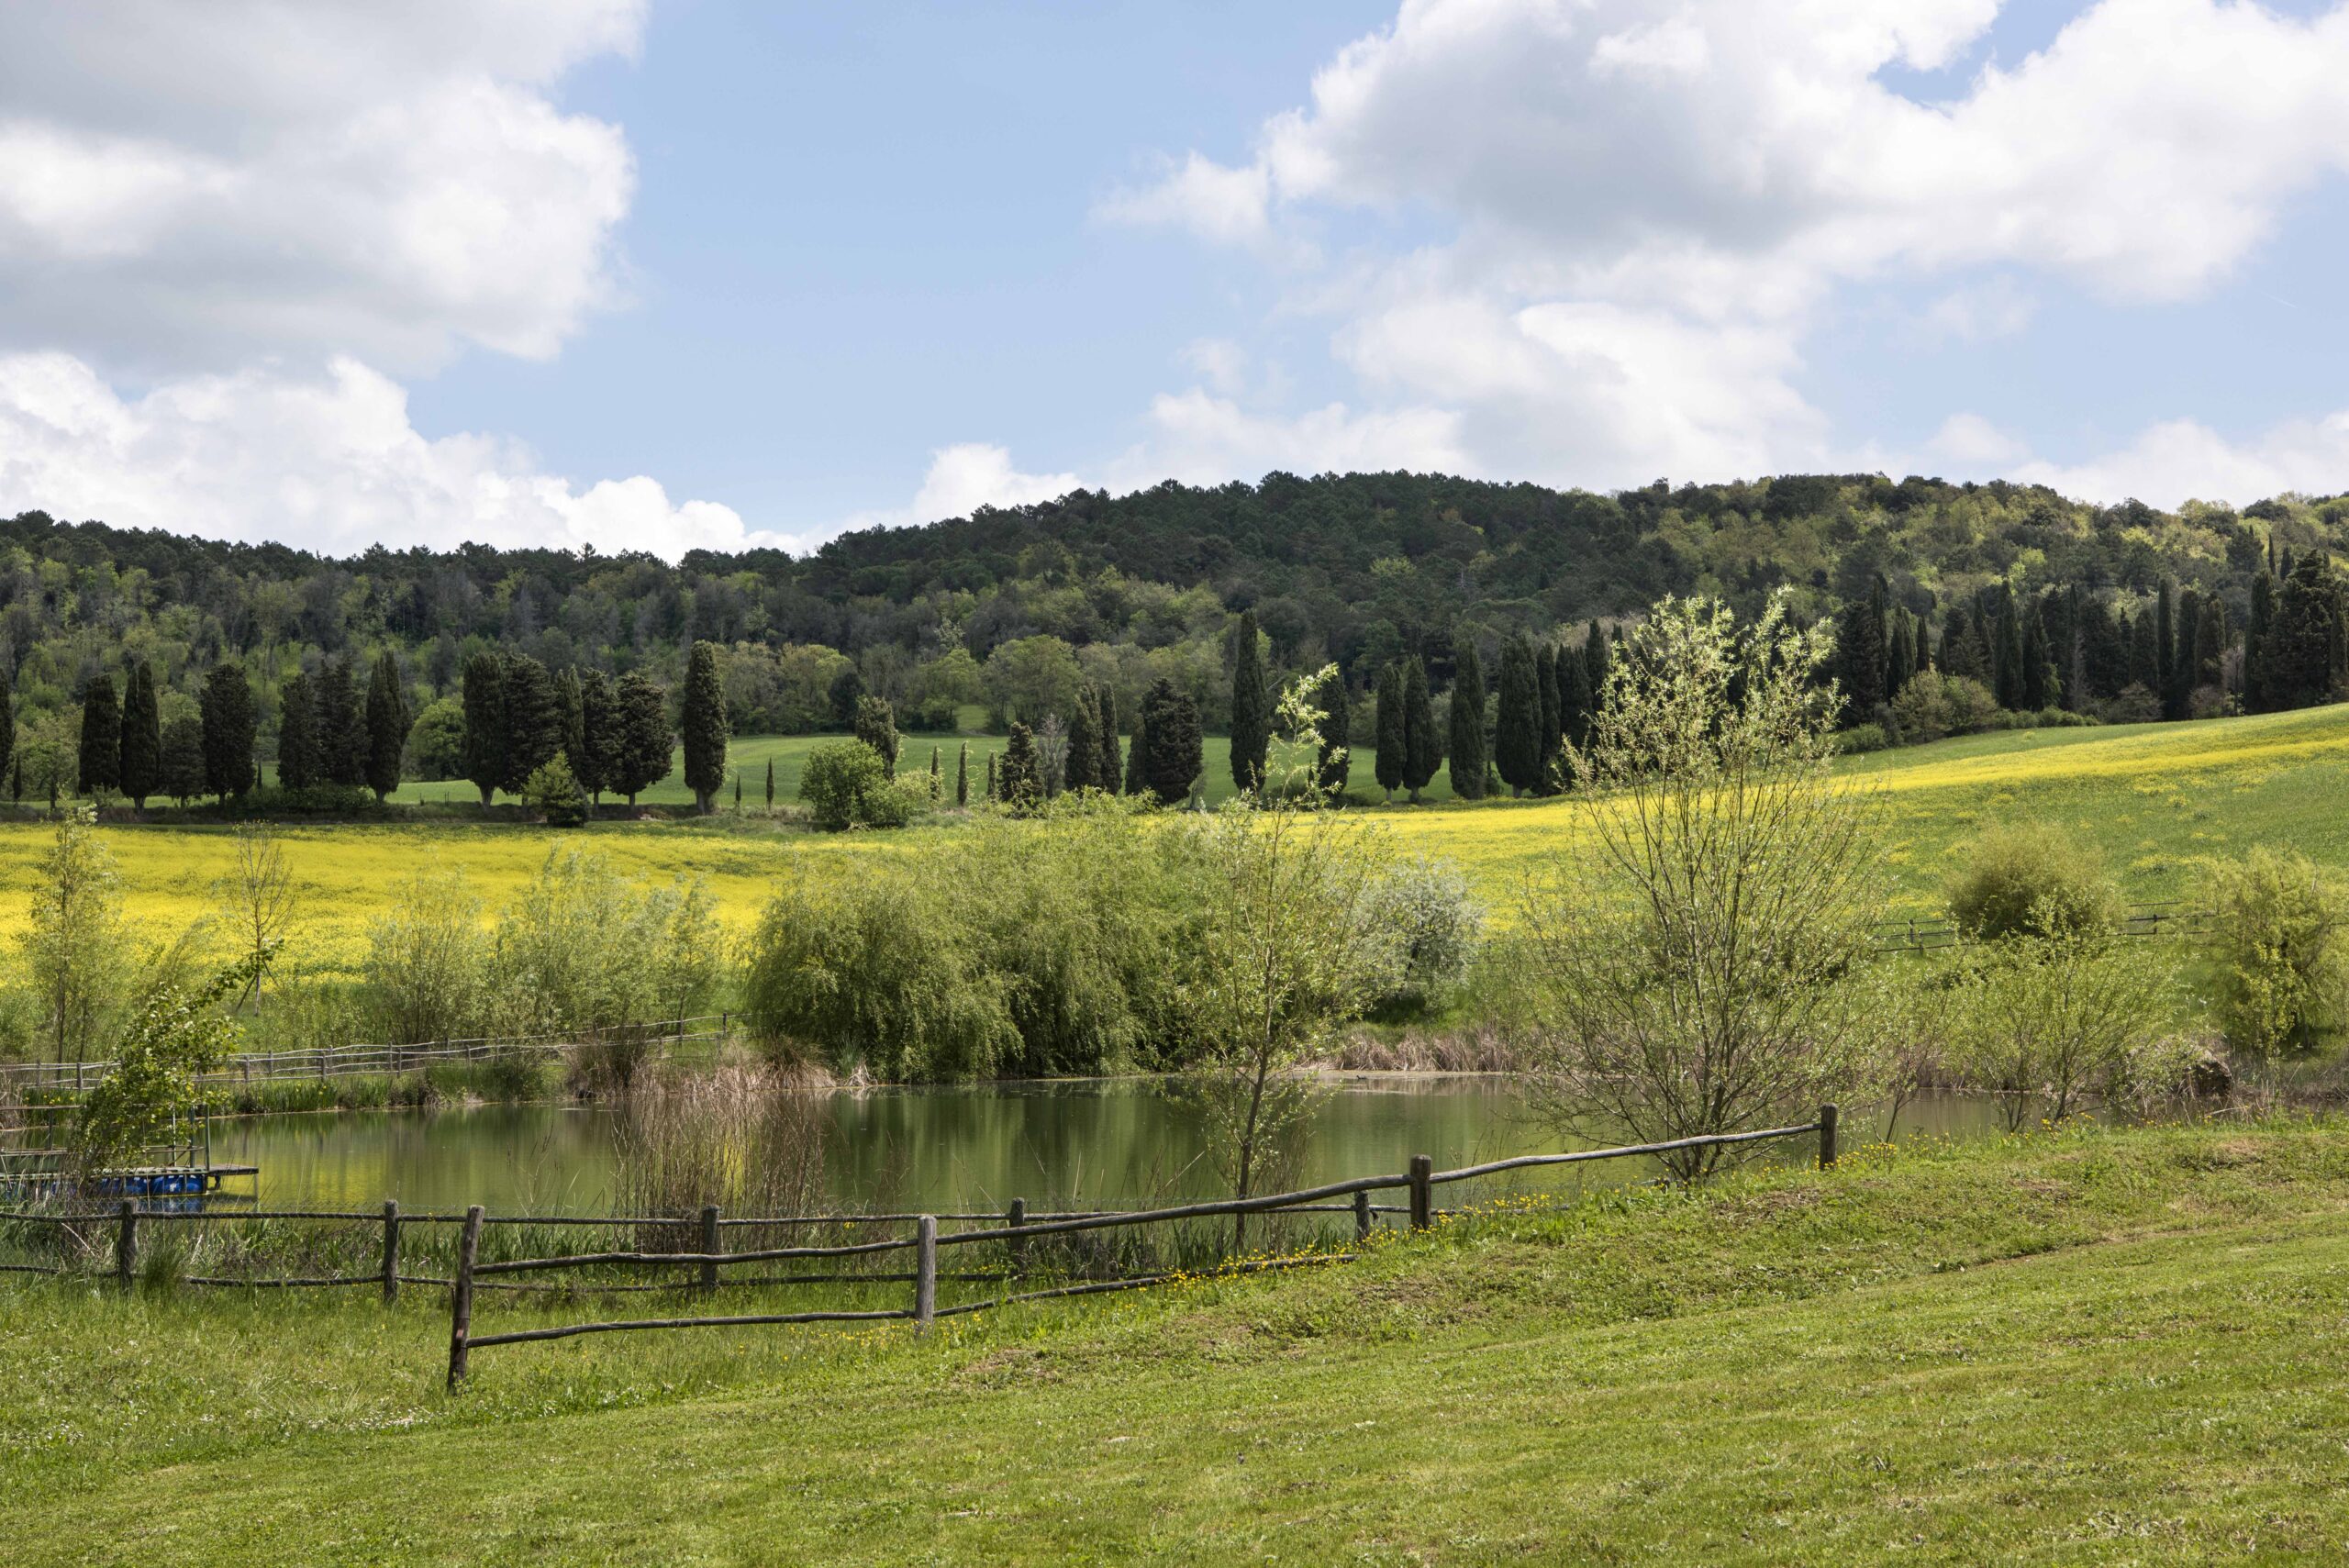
2108 1347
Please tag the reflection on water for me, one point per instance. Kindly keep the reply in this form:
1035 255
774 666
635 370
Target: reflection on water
1110 1141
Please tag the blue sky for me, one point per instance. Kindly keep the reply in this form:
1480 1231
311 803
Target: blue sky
661 273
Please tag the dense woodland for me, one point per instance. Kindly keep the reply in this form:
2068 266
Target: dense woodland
2041 603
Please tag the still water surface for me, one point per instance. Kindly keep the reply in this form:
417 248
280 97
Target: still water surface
1113 1142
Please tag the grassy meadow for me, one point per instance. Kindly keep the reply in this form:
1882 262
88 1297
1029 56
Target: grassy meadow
2158 799
2081 1347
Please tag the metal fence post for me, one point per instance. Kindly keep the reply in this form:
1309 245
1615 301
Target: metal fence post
925 1272
1827 1138
391 1250
709 1246
126 1244
1422 1192
461 1298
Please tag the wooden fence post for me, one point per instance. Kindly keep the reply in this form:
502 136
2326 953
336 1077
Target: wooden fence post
1827 1138
461 1298
1422 1192
710 1244
126 1244
1015 1220
925 1272
1361 1214
391 1250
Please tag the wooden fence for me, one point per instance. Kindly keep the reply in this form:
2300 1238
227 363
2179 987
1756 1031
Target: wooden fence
1931 933
350 1061
1016 1229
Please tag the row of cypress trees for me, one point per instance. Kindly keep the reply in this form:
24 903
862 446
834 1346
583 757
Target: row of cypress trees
613 734
331 735
125 748
1164 758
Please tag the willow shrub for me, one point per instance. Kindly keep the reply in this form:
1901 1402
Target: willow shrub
2280 933
2029 879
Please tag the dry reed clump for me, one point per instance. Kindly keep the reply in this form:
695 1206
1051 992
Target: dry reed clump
1477 1048
747 1138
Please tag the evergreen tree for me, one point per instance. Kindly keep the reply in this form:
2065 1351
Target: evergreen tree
770 783
1422 749
1176 750
1111 769
1575 708
992 786
847 690
876 726
1545 671
2165 682
2254 642
484 705
341 726
936 784
142 738
2040 681
1959 654
1860 660
1517 719
571 718
387 724
646 748
1251 709
101 735
183 772
10 763
298 734
2009 670
2210 643
227 709
1335 762
962 775
2305 649
1467 749
1083 770
705 728
2186 659
738 791
1021 781
1595 662
1393 748
599 735
533 721
1138 751
2144 654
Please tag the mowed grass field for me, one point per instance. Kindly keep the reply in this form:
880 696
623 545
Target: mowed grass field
2159 800
2093 1347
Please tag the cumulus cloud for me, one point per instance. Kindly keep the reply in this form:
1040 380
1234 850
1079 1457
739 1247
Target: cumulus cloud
184 187
2184 460
328 461
1644 213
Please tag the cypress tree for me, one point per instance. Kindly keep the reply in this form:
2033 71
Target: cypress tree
101 735
1083 767
991 778
1174 755
10 763
1251 709
1021 781
1573 703
2254 642
876 726
484 705
1111 768
298 734
936 784
1393 748
1138 751
846 688
1860 655
1545 671
2144 654
2008 669
571 716
182 774
2210 642
600 735
387 724
770 783
142 738
1422 749
705 726
533 721
341 726
2305 644
1517 719
1596 660
1958 644
1467 749
961 777
646 748
2039 678
227 709
738 791
2185 658
1335 763
2165 682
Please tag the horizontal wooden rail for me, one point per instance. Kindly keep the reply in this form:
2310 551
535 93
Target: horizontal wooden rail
659 1259
1523 1161
568 1330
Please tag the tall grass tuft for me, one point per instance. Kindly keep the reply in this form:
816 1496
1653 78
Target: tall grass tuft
749 1138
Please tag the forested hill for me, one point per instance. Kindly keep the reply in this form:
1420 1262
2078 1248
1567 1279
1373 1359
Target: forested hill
1355 568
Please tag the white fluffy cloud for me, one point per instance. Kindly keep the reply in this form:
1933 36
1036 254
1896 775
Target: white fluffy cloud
182 185
1645 208
328 461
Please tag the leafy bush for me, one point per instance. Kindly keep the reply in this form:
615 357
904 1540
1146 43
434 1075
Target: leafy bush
2050 1019
585 949
2029 879
1863 737
1427 928
425 959
845 785
1934 704
2280 934
553 792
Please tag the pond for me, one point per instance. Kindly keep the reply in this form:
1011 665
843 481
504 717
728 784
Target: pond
1111 1143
